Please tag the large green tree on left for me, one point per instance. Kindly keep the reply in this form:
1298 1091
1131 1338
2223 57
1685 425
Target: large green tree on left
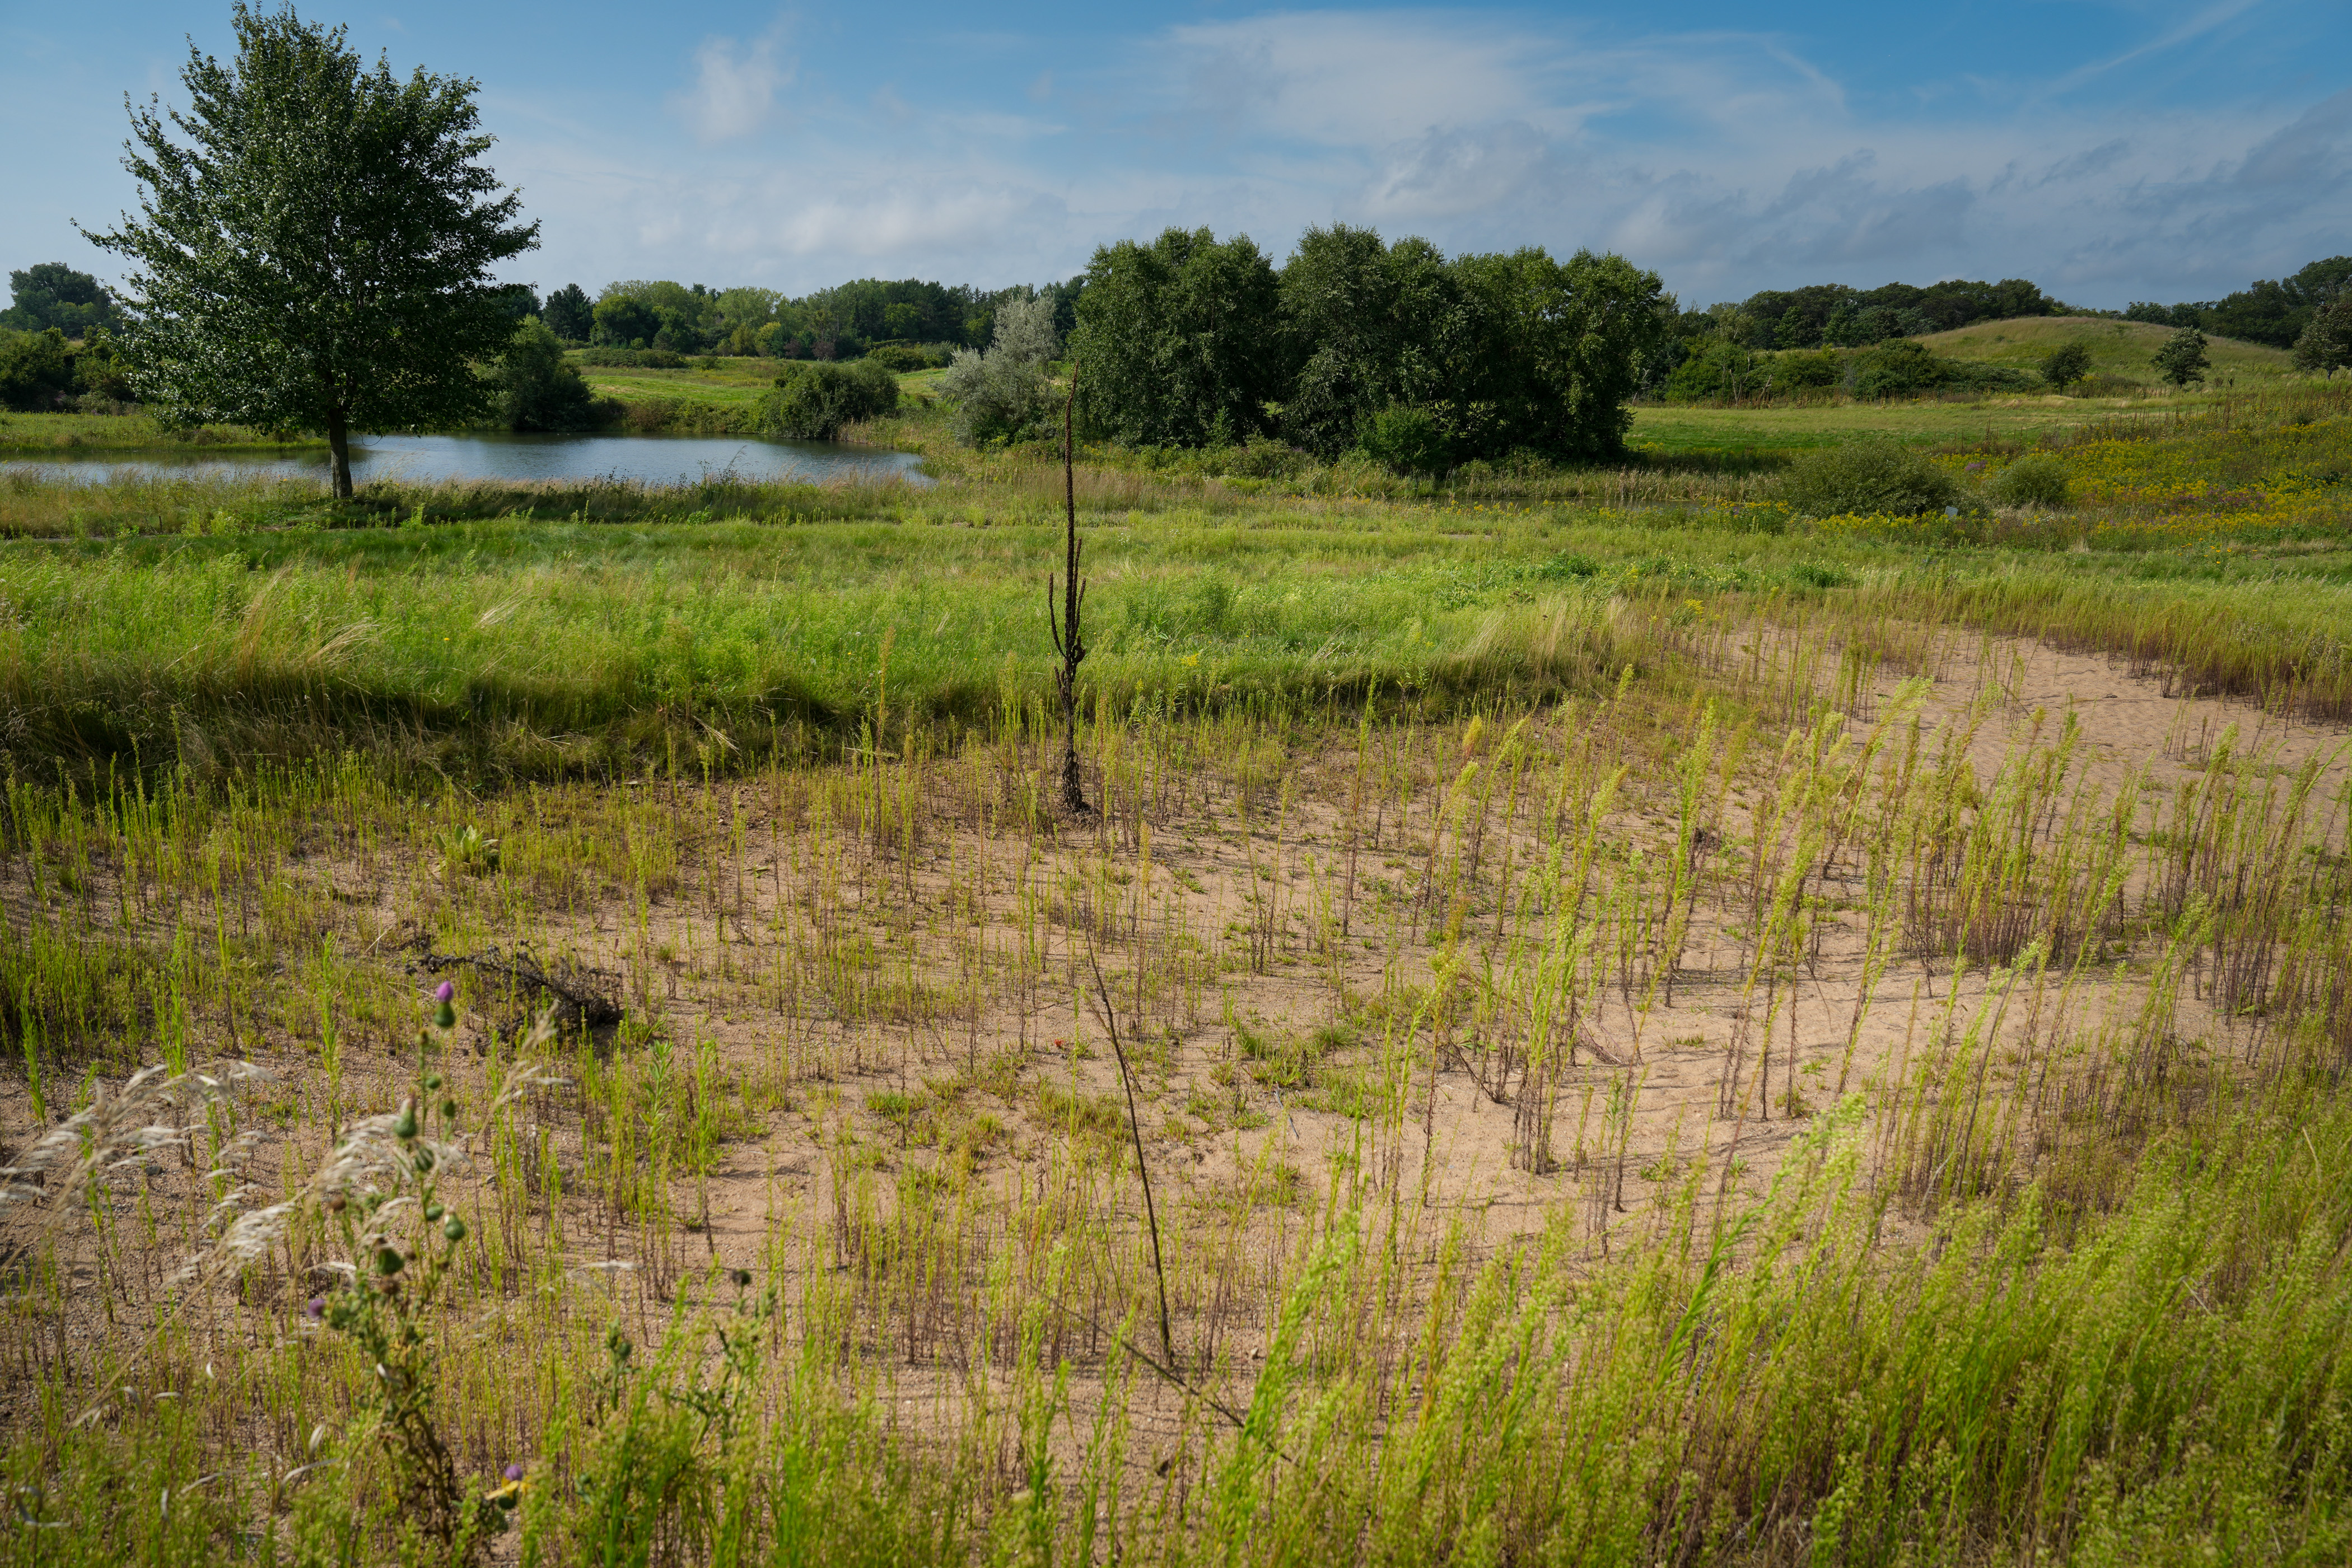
315 255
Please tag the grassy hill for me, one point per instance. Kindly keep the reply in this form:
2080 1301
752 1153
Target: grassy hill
2123 350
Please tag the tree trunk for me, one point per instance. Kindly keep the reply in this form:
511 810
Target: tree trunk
339 440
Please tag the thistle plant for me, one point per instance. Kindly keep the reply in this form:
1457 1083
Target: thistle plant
381 1192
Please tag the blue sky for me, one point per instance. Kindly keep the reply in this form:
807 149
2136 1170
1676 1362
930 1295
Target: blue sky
2132 149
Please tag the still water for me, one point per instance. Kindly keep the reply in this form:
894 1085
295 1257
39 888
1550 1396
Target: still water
648 459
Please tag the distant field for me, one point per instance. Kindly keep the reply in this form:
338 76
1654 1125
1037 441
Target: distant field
2121 349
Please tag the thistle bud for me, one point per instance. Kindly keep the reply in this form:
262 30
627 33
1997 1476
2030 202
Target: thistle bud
433 1080
447 1016
389 1262
424 1160
455 1230
403 1126
434 1211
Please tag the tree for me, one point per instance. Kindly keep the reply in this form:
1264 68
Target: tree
317 255
37 372
1180 339
625 323
2327 342
1003 394
2182 358
537 390
1557 356
51 294
2067 364
569 315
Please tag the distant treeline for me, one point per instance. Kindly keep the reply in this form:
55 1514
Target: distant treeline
1832 315
656 316
2274 311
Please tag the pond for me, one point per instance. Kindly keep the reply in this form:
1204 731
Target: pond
645 459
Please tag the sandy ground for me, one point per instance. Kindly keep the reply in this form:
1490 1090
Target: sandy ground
1241 1158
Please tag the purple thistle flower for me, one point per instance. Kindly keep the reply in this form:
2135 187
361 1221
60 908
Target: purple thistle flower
444 991
512 1472
1975 468
315 1307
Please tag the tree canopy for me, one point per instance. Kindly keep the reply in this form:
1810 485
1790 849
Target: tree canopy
52 294
1396 349
2268 311
2182 358
316 254
1180 340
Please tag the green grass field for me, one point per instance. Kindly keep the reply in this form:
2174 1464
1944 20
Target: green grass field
2124 350
1657 1030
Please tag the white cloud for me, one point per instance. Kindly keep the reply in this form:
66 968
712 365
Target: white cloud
734 91
1727 162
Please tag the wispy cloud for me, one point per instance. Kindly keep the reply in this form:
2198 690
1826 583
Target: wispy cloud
1729 161
735 86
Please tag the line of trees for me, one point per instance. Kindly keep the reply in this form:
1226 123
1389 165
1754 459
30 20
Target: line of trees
927 320
1356 343
2276 311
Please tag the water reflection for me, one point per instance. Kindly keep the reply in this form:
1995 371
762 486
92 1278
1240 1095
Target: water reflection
648 459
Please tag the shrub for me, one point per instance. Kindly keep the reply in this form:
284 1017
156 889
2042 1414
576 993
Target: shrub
2038 481
1005 394
537 389
2067 364
640 359
2182 358
1898 369
1801 367
1867 478
37 370
812 401
1405 439
901 358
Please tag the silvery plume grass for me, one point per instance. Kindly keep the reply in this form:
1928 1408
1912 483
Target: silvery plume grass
155 1113
378 1192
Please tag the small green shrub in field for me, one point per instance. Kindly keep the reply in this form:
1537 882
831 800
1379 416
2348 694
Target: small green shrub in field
2037 480
812 402
900 357
1406 439
1867 478
2067 364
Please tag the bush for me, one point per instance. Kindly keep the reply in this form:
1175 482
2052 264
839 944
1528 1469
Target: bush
2182 358
1898 369
639 359
2067 364
37 370
1405 440
812 401
2038 481
1802 368
902 358
1004 394
1868 479
537 389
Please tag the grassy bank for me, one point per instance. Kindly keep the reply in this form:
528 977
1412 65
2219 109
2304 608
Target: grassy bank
71 435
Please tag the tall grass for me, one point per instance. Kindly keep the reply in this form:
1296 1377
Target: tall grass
1623 1075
